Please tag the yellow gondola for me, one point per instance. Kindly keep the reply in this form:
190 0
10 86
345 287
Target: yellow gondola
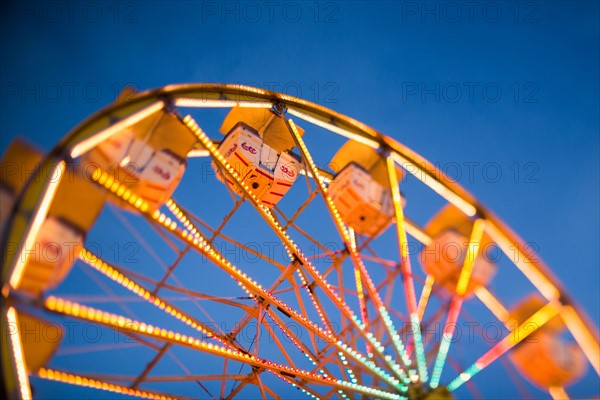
443 258
360 190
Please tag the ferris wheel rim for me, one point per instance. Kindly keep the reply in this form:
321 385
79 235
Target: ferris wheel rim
172 93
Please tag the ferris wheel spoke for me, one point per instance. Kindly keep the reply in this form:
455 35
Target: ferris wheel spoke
134 232
237 388
409 286
558 393
516 380
80 380
303 233
471 387
188 372
458 299
142 376
170 270
226 219
425 294
300 209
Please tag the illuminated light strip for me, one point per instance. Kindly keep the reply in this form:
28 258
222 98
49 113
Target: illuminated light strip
335 129
558 393
457 300
425 294
107 270
317 306
40 213
417 233
217 103
297 386
117 188
17 355
538 319
409 285
181 217
435 185
359 289
362 304
87 144
471 256
348 369
77 380
290 246
251 287
524 264
323 178
295 342
588 342
492 303
357 261
197 153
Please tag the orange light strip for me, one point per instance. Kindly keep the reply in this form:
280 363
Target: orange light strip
558 393
89 143
17 355
334 128
584 337
120 323
435 185
217 103
77 380
409 284
492 303
471 256
360 290
38 218
425 294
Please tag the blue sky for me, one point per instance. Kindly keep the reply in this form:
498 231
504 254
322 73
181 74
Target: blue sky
509 88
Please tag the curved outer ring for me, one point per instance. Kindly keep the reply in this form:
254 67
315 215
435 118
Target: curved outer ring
236 92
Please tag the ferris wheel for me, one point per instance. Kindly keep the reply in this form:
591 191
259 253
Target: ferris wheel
224 241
